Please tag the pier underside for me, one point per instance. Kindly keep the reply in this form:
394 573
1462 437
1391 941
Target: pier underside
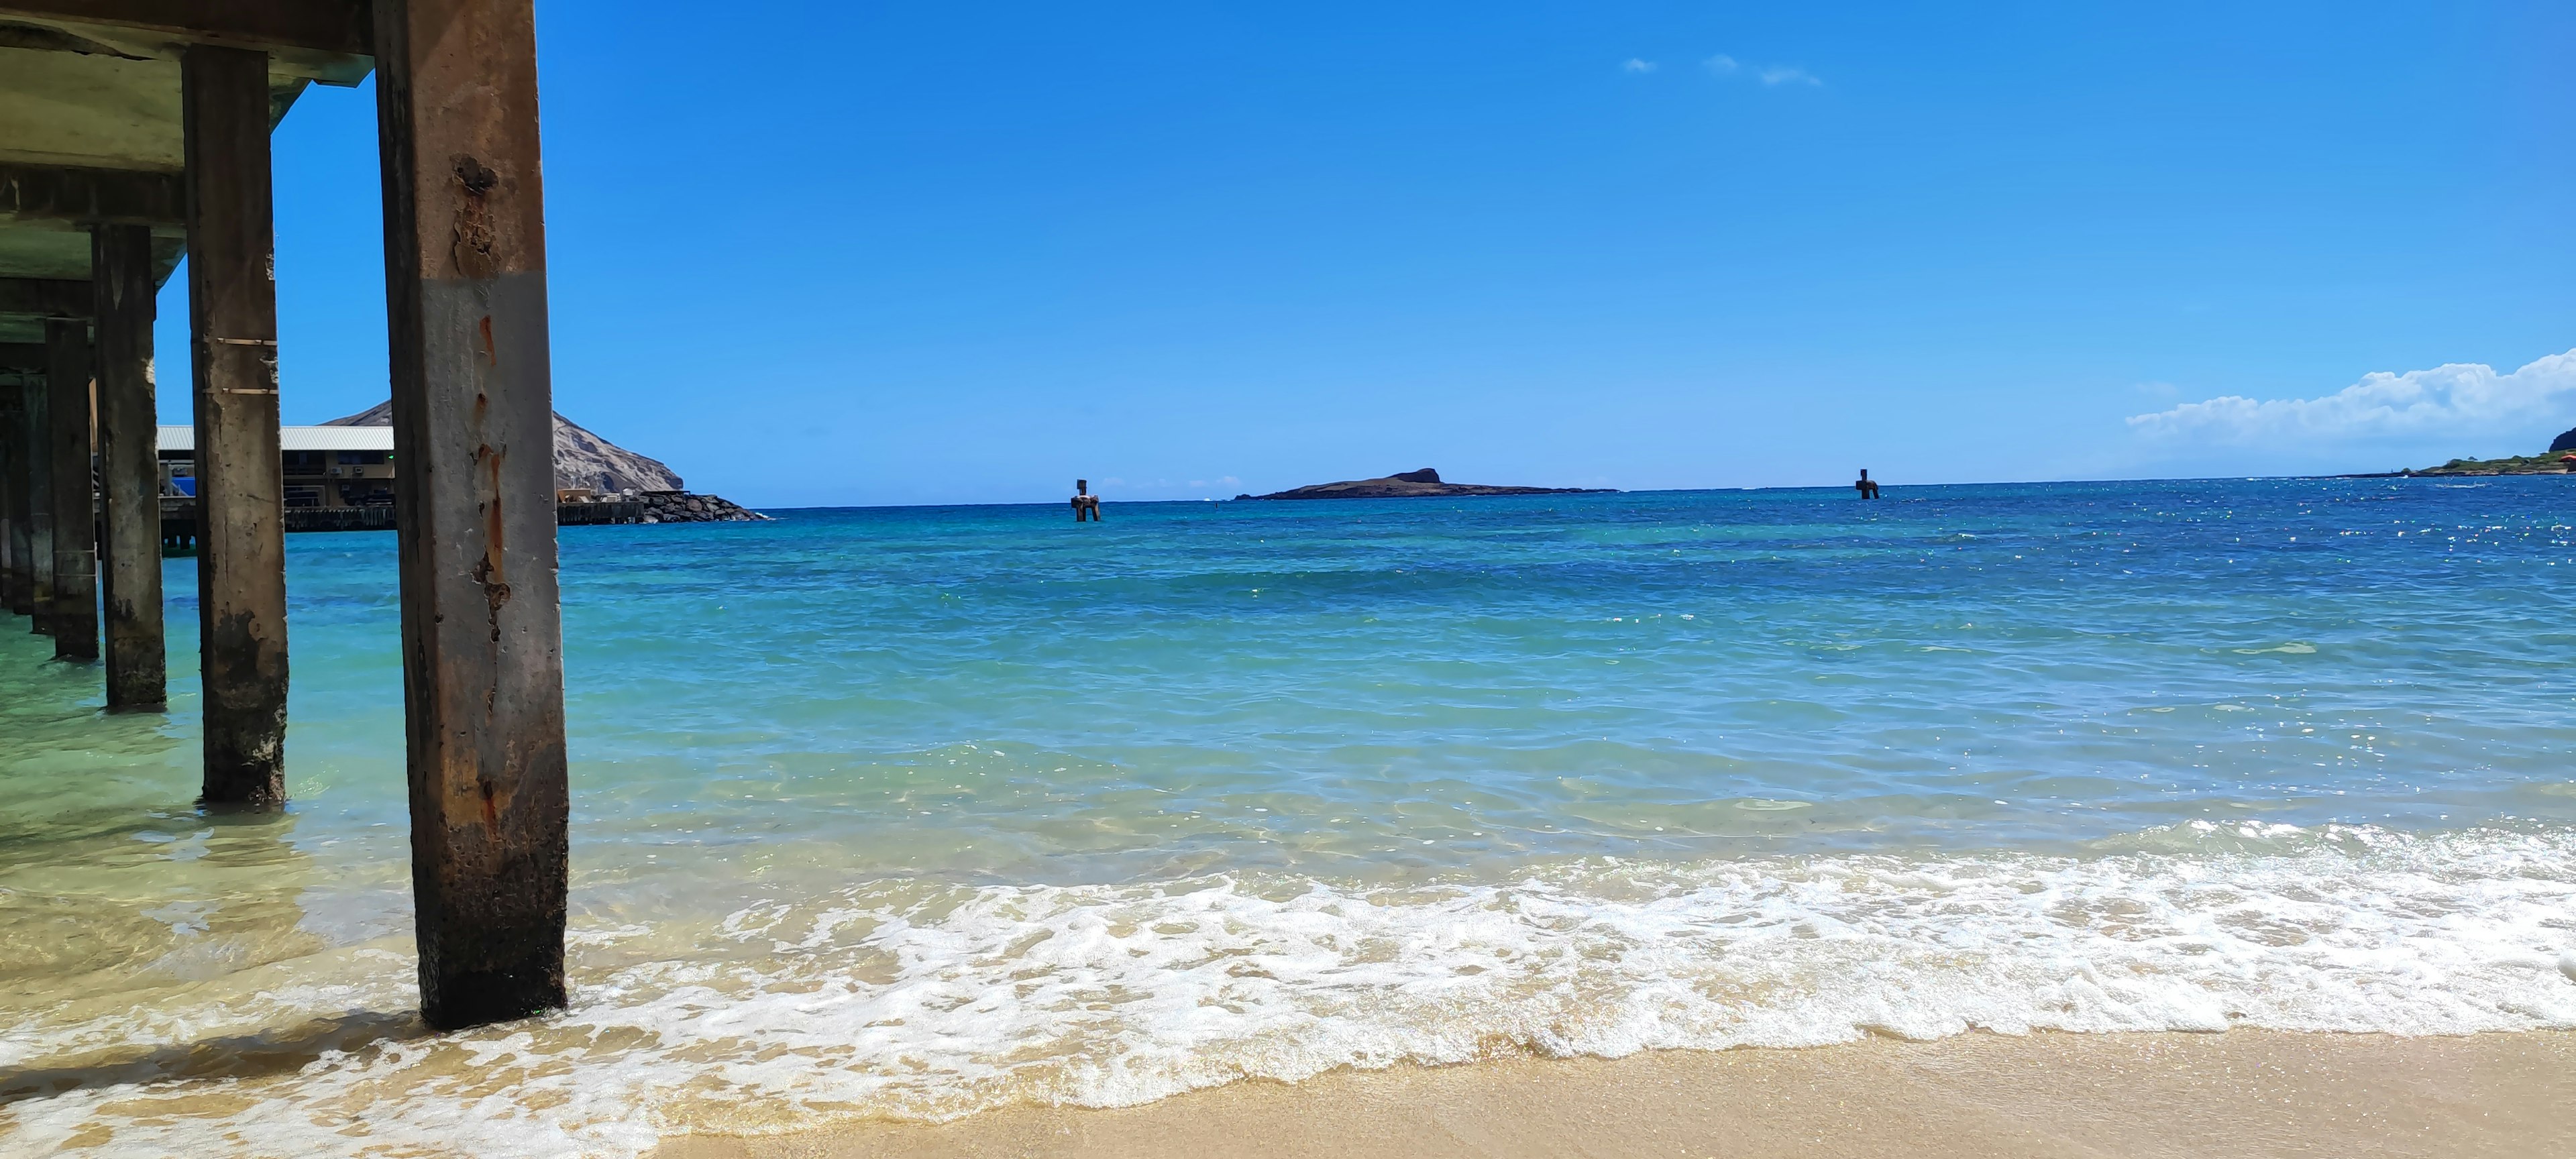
135 132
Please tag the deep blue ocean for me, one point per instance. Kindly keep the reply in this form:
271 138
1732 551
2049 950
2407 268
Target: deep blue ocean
917 811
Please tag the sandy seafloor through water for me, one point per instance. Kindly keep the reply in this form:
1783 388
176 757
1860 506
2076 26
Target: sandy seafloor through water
915 812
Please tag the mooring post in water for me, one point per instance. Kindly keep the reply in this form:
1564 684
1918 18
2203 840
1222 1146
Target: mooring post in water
465 287
129 467
67 401
232 321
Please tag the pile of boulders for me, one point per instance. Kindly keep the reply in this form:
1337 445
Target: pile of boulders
683 507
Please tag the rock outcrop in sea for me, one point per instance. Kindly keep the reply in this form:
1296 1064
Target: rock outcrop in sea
586 462
1422 484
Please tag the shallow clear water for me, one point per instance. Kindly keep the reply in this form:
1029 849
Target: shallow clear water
918 811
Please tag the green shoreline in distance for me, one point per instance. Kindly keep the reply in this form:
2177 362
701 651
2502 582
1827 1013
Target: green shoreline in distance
2554 461
2546 463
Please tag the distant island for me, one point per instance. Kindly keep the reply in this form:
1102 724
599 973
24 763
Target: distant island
1422 484
2559 458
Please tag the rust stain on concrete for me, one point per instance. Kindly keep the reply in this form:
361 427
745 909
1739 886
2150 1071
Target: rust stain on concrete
472 248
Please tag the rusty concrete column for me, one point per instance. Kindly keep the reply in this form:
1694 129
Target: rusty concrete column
67 378
129 470
232 319
36 449
15 589
465 290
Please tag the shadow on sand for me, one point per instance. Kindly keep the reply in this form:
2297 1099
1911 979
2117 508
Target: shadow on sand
243 1056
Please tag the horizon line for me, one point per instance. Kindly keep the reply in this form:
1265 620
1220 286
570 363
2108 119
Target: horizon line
1675 490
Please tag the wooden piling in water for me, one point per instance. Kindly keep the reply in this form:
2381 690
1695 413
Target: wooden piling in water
456 93
74 616
129 467
232 317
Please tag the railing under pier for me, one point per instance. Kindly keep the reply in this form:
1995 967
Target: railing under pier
603 511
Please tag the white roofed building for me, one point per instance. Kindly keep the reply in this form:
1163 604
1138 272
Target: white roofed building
327 467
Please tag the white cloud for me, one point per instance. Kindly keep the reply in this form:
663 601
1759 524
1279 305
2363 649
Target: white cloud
1632 64
2461 398
1769 74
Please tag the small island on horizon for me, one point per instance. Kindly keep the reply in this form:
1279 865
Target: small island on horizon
1422 484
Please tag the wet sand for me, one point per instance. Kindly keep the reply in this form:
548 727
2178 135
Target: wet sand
2243 1093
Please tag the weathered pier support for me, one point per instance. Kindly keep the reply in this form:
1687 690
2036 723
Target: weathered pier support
35 445
17 588
129 466
232 317
456 100
473 427
73 620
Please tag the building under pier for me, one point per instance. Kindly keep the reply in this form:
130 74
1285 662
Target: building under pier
322 468
341 478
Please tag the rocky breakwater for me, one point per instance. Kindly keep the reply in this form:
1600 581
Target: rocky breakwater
1422 484
683 507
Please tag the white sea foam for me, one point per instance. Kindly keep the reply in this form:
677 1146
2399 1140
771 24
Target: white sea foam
903 999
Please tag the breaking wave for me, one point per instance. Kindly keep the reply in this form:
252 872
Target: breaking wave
919 1000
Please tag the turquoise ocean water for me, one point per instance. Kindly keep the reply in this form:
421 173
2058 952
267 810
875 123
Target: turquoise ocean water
919 811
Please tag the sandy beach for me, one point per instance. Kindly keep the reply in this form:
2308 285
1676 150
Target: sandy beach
2242 1093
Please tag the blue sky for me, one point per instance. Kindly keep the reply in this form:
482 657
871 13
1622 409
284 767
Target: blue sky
907 253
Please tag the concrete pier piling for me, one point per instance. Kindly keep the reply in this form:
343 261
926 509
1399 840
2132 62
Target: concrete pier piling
73 618
17 591
129 467
472 414
232 317
456 99
36 442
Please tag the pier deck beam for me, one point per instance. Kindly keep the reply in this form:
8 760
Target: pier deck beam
129 467
465 285
232 317
67 378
